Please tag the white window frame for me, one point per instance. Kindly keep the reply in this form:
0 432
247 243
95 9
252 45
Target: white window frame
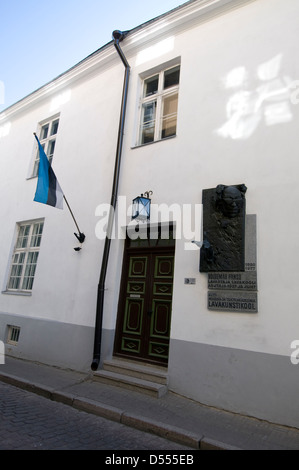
157 97
47 141
25 257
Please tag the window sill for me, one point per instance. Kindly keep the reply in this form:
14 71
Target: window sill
22 293
154 142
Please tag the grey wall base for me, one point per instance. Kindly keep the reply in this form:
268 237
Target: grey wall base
53 343
254 384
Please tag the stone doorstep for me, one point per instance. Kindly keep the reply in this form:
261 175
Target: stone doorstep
139 377
139 370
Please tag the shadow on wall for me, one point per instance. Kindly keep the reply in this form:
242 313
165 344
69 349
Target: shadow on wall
269 102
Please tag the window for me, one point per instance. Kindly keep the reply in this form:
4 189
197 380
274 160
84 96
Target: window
47 138
13 334
159 105
24 259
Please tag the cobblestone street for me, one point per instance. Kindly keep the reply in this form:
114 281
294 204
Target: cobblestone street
32 422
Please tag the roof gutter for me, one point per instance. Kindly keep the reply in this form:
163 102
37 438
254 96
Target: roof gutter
117 36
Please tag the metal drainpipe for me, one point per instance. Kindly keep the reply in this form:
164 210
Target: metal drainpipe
117 36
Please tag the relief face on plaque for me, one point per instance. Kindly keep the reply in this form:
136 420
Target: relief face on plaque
224 210
230 200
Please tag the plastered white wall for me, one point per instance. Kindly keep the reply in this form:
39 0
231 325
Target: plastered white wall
236 124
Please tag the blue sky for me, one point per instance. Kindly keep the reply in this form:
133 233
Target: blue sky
41 40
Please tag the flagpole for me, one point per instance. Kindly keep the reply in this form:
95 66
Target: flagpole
80 236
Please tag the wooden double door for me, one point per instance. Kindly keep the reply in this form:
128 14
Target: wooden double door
144 312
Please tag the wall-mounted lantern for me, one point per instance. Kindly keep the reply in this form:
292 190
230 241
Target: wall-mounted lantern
142 207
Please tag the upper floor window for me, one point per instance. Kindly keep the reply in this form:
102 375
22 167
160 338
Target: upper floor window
159 105
47 138
25 255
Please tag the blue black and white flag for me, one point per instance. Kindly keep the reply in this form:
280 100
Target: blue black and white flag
48 190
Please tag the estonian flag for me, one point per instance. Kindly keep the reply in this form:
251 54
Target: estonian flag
48 190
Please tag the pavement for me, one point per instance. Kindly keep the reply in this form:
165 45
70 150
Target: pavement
172 416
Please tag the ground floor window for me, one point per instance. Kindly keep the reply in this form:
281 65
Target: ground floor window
25 256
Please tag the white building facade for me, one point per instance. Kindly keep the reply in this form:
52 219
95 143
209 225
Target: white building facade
212 98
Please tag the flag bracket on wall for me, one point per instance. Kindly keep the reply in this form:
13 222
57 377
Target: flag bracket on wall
80 237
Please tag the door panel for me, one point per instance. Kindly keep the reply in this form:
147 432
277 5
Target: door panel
138 266
133 316
144 315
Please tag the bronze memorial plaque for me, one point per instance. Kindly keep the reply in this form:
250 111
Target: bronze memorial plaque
223 229
228 253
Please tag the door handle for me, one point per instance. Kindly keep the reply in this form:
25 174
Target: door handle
149 312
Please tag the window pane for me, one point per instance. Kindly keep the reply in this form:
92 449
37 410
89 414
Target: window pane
148 122
51 148
44 131
16 271
36 163
171 77
169 119
35 168
30 270
23 236
14 283
54 127
151 86
36 235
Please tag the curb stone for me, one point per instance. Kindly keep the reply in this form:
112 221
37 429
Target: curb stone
211 444
105 411
172 433
24 384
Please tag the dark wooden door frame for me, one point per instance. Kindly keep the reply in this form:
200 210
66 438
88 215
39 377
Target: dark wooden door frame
148 298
